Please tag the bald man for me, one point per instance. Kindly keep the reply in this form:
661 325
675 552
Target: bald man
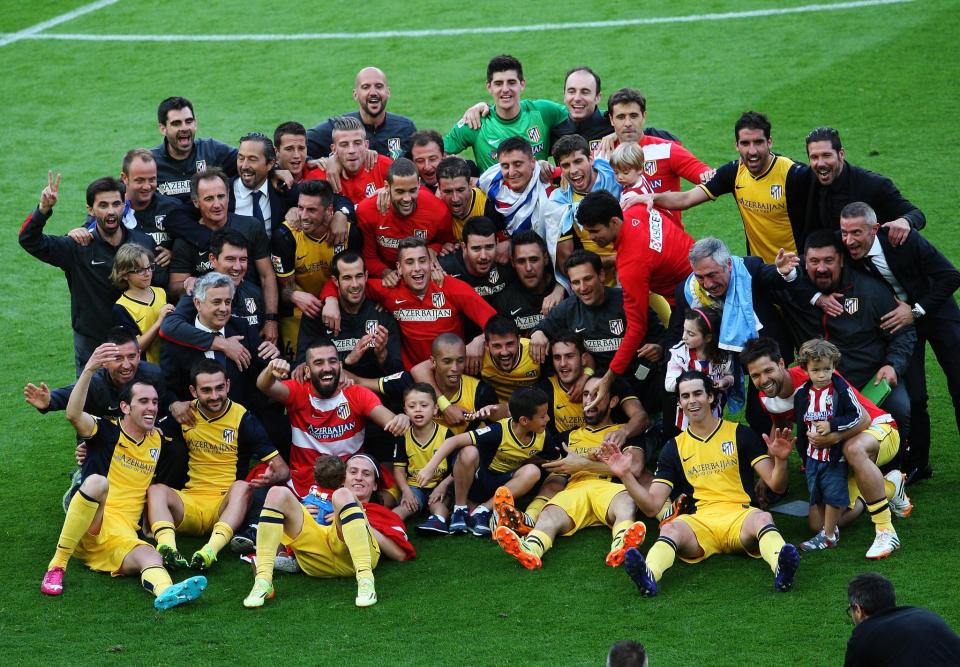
388 134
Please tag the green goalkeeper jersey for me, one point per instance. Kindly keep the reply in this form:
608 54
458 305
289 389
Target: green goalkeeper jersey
533 123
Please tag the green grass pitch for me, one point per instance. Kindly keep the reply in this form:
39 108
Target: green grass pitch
884 75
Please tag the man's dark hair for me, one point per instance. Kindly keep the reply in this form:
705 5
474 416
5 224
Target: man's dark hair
121 336
582 68
579 257
526 237
822 238
289 127
478 225
105 184
346 124
222 237
752 120
871 592
423 388
319 341
126 391
525 402
425 138
598 208
408 243
626 96
401 167
172 104
453 167
570 144
315 187
329 471
825 134
269 150
515 144
571 338
207 174
503 63
205 367
347 257
500 325
758 348
708 386
627 653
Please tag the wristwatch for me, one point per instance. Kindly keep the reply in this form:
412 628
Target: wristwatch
917 311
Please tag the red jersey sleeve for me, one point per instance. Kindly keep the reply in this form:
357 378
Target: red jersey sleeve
391 526
368 217
685 163
468 301
361 399
298 393
636 300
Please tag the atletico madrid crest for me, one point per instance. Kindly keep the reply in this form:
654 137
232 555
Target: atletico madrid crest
851 306
251 304
616 327
727 448
228 434
343 410
534 134
438 299
650 167
776 192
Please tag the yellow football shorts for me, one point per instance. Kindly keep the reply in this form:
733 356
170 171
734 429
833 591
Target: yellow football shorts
586 502
321 552
105 551
717 528
200 511
889 438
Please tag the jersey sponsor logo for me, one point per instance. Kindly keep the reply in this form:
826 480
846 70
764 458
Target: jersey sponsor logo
228 435
603 344
125 461
656 183
251 304
528 321
616 327
390 378
776 192
422 314
817 415
369 190
656 231
534 134
159 237
158 221
343 410
344 344
388 242
173 188
851 305
201 165
393 145
438 299
331 432
727 448
650 167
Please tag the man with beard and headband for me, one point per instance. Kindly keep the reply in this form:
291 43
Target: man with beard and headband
359 533
86 267
388 133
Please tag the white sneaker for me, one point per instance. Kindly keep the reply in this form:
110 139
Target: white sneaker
900 504
884 544
366 593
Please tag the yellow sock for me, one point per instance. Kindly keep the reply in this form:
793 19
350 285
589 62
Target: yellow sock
155 579
220 537
80 515
889 488
536 506
880 514
164 533
356 535
618 531
770 542
661 556
538 542
269 536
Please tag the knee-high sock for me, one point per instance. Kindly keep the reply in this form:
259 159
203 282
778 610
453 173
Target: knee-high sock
538 542
880 514
661 556
770 543
164 533
618 530
220 536
269 536
155 579
536 506
80 515
356 535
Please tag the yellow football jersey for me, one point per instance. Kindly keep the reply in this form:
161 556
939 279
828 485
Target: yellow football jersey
413 455
565 414
477 206
583 442
500 448
525 372
214 444
311 268
145 315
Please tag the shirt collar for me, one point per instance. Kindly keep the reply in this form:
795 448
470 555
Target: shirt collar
876 250
203 327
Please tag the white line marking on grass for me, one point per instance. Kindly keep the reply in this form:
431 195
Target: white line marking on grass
453 32
33 31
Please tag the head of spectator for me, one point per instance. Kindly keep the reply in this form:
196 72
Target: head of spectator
453 185
627 162
403 183
528 408
350 143
600 215
255 158
581 93
139 176
131 261
712 266
371 91
479 246
426 150
177 125
229 254
139 403
505 83
420 403
627 112
627 653
362 476
209 386
315 207
701 331
825 154
448 355
869 594
567 353
122 368
413 264
209 192
502 338
585 273
290 140
329 471
752 140
517 164
105 205
530 260
823 258
350 272
213 297
696 395
324 367
858 229
764 364
572 154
